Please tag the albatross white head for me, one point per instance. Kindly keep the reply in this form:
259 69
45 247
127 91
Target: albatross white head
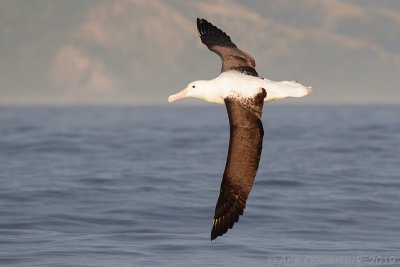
199 89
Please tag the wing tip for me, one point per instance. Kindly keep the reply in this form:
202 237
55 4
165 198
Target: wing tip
221 225
201 25
198 22
218 229
211 34
201 20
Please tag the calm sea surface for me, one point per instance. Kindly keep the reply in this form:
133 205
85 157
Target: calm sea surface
137 186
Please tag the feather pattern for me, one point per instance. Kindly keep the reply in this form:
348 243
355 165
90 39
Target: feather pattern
219 42
245 145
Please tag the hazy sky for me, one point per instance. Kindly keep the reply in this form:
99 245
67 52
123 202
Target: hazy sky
141 51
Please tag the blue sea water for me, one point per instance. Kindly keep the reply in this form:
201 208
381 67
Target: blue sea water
137 186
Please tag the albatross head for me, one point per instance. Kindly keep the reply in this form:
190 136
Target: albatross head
197 89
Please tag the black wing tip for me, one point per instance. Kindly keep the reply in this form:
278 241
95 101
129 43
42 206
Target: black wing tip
201 20
211 35
204 27
199 24
222 224
219 228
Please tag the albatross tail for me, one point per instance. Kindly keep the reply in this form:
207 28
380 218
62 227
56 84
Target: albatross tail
285 89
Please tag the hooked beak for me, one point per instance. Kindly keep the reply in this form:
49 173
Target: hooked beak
177 96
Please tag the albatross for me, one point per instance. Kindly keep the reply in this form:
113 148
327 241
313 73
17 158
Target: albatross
243 92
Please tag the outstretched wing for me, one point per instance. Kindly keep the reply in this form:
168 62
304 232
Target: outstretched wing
219 42
245 145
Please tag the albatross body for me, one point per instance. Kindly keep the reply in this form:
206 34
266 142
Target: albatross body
234 83
243 92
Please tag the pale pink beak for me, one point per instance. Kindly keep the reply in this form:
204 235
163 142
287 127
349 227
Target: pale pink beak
177 96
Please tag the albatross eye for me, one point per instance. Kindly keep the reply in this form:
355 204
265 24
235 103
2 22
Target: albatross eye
193 86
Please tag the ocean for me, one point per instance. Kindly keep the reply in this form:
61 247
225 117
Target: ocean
137 186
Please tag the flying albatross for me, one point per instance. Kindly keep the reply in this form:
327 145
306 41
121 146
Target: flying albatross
243 92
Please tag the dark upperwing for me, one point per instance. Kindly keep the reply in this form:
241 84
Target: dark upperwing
219 42
245 145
